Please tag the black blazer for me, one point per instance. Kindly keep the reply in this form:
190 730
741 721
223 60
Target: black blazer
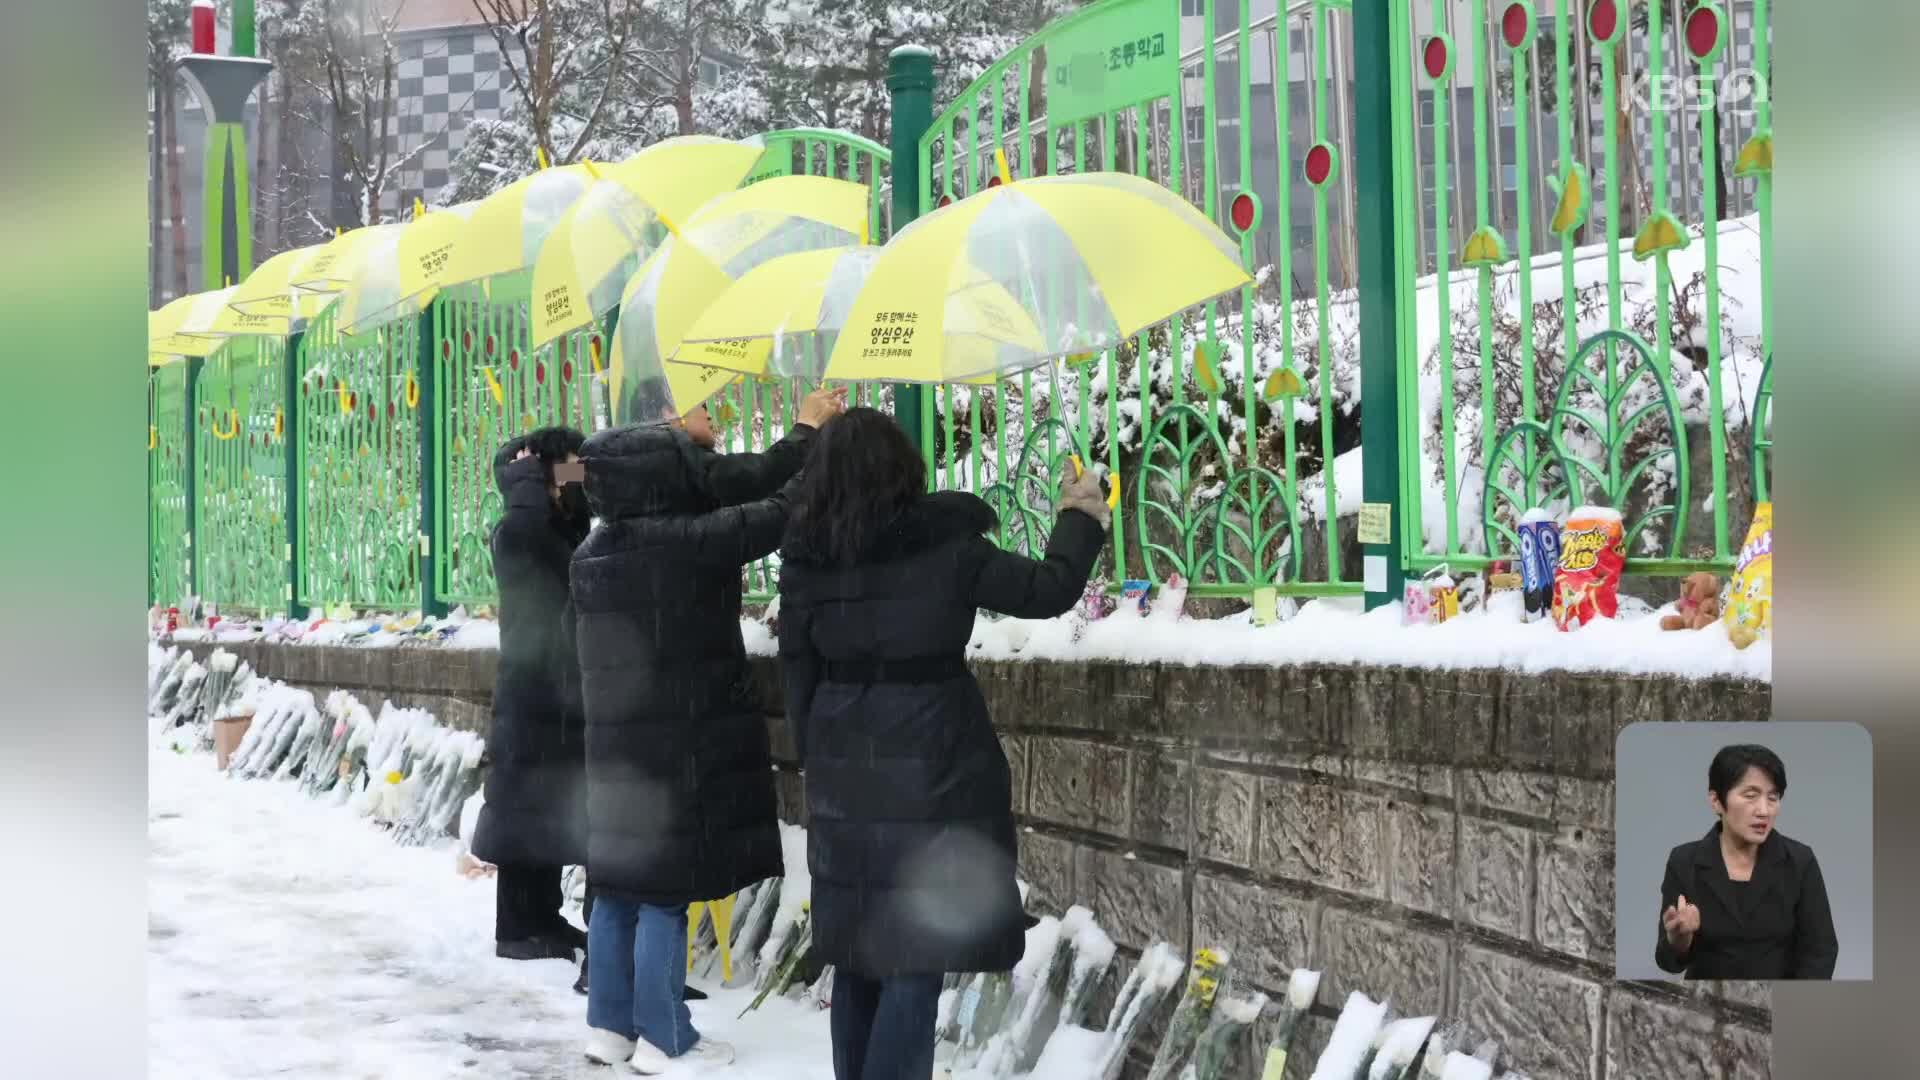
1777 925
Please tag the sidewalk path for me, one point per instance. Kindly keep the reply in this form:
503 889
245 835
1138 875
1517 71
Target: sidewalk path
291 938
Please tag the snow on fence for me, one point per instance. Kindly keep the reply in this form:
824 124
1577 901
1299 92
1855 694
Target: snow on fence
412 775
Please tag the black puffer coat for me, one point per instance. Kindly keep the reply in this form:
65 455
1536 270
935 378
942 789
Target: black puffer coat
910 836
679 775
536 794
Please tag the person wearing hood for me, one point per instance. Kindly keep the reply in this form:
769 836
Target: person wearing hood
533 822
910 828
679 771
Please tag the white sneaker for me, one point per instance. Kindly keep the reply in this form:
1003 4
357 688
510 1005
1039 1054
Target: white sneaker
607 1047
711 1052
647 1060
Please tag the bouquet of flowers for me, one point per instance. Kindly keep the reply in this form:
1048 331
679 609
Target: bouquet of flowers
1232 1025
1210 968
1302 986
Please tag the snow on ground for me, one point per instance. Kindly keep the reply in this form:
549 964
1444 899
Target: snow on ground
293 939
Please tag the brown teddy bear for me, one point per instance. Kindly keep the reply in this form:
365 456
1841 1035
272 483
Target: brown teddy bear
1699 605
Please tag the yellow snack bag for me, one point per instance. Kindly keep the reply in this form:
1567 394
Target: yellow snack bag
1749 607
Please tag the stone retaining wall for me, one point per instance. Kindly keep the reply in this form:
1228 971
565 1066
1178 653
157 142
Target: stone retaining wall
1443 838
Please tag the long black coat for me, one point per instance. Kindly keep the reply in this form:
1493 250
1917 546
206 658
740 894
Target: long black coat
910 836
679 774
536 793
1776 925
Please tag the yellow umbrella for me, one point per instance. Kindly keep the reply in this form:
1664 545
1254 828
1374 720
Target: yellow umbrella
328 269
397 274
1093 259
185 326
784 318
632 206
267 303
504 231
727 237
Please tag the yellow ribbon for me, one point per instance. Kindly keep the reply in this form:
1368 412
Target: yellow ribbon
413 391
346 405
233 417
493 384
153 437
279 423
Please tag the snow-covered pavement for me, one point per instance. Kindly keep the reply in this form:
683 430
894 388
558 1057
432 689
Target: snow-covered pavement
293 939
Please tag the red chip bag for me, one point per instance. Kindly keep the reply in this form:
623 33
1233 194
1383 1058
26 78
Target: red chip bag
1586 584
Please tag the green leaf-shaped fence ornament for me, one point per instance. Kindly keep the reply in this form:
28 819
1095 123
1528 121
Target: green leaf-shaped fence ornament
1180 433
1282 384
1574 198
1484 249
1256 494
1206 368
1661 234
1613 481
1756 156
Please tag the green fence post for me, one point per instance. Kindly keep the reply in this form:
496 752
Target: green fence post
191 479
1373 135
910 84
296 468
430 605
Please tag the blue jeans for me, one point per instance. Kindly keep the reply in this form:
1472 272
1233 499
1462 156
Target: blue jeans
883 1028
637 974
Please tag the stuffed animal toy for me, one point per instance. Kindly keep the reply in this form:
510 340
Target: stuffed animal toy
1699 604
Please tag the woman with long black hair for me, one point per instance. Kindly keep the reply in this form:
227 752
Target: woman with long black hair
911 838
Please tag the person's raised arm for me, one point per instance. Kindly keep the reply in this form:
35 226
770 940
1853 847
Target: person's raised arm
737 535
1043 588
739 478
1816 948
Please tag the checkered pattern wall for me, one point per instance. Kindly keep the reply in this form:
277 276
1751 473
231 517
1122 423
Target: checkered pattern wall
447 79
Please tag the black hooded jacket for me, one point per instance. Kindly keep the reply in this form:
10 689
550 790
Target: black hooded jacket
910 835
1776 925
536 798
679 774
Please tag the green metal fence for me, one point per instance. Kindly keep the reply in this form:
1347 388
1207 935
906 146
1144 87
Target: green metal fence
241 460
1554 367
1636 374
360 539
1220 421
169 521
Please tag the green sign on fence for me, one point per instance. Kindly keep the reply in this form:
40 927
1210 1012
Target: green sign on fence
1112 57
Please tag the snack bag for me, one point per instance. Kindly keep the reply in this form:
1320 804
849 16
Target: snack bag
1749 607
1586 584
1539 559
1134 594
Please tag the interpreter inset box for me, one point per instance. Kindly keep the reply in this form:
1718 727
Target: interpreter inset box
1743 851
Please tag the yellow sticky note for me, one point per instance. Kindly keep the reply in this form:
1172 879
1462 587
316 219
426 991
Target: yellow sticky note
1376 523
1276 1064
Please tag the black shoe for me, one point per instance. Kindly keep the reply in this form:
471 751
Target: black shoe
535 948
693 993
580 984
